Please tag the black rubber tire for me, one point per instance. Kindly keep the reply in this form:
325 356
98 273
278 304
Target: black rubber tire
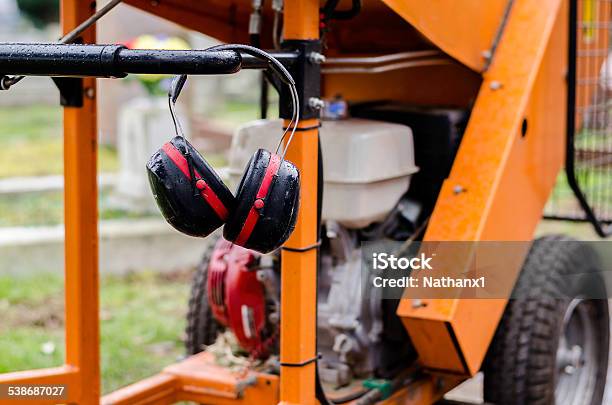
202 328
520 367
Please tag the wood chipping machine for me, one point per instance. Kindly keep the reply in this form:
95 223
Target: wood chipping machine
419 121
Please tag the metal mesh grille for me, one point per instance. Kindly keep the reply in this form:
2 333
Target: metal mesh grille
591 146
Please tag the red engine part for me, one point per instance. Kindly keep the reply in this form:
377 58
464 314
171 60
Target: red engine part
236 297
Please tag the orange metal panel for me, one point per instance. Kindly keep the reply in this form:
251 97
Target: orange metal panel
202 380
55 375
464 29
264 392
159 389
301 19
81 224
225 20
507 178
448 85
199 379
435 338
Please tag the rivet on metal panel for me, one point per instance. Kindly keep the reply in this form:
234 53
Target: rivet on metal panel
458 189
495 85
417 303
524 127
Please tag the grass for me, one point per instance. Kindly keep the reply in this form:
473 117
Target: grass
32 143
48 209
142 322
236 113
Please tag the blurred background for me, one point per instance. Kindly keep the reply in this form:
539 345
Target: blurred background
145 265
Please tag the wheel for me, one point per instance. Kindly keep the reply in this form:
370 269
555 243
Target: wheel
551 346
202 328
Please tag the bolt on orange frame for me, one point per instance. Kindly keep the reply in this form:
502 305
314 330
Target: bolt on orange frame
504 175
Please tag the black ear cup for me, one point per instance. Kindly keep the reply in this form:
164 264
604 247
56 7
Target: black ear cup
194 200
267 203
188 191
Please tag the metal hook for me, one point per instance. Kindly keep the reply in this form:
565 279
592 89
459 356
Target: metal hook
176 87
173 93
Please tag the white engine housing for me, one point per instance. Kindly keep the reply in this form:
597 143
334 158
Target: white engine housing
367 165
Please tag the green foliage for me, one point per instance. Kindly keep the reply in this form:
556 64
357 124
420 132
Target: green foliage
40 12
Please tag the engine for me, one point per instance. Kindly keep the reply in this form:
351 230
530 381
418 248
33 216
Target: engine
358 333
355 341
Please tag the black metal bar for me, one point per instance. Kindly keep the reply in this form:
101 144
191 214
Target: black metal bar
178 62
60 60
570 153
307 75
71 37
71 90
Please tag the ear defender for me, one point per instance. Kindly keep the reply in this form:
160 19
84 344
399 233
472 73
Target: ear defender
190 195
267 203
194 199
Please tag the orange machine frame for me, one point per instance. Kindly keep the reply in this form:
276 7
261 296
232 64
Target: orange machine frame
504 175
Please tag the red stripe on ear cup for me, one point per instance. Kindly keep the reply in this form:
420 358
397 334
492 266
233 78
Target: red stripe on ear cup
253 216
206 192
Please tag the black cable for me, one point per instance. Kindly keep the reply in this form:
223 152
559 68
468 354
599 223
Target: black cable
258 53
284 76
